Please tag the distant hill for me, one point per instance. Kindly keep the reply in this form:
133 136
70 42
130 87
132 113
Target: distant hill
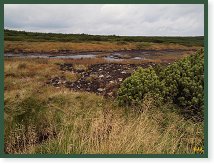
12 35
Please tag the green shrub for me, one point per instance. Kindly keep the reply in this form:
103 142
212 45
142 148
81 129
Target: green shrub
181 83
11 35
135 87
184 82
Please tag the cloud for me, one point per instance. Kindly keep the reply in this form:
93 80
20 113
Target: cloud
108 19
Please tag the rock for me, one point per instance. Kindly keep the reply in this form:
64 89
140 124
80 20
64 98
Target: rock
110 93
120 79
99 78
100 89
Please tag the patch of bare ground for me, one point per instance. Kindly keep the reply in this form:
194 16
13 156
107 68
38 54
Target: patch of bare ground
103 79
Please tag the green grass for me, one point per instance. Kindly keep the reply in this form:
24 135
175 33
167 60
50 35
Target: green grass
41 119
11 35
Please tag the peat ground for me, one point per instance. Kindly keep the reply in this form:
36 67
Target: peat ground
103 79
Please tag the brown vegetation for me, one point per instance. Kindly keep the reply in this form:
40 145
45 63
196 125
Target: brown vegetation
57 47
61 121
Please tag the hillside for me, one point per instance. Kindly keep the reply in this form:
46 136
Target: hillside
11 35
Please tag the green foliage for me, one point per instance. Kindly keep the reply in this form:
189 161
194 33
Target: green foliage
11 35
182 83
29 122
135 87
30 110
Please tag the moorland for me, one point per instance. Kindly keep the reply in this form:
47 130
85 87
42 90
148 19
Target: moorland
95 94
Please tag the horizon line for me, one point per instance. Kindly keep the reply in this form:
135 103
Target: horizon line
106 34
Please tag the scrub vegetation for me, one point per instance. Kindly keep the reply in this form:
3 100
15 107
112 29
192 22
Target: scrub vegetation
11 35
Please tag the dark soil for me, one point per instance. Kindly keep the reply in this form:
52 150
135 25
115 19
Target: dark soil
104 79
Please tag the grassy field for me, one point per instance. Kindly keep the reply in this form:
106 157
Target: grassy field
40 118
57 47
28 42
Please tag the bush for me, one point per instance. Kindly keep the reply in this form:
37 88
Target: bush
181 83
184 82
135 87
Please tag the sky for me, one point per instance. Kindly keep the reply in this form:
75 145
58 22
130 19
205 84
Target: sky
107 19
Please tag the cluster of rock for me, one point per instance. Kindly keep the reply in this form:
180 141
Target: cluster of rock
102 79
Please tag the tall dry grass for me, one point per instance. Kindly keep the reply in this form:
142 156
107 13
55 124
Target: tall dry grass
110 131
56 47
43 119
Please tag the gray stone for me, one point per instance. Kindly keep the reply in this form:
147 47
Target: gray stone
100 89
120 79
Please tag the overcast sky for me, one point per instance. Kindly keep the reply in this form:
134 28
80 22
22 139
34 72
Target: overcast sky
144 20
